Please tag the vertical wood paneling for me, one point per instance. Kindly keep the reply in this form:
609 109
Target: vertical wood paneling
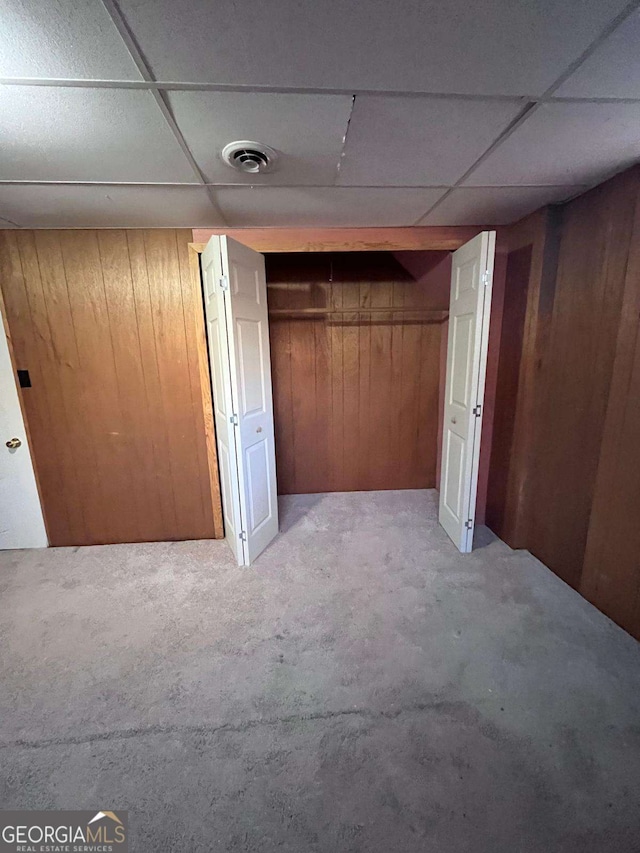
279 335
303 404
337 415
106 323
351 437
74 459
160 437
518 271
428 403
572 486
541 231
323 397
409 431
356 392
366 435
173 370
395 459
576 372
611 576
127 358
381 450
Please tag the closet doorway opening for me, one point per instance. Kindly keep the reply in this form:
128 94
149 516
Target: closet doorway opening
352 373
358 357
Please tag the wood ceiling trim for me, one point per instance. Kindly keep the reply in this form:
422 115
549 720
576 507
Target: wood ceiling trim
433 238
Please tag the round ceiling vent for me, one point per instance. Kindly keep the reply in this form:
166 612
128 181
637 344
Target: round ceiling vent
250 157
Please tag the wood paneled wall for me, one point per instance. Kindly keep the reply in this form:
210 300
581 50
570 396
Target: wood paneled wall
576 372
108 324
611 573
355 389
518 269
570 492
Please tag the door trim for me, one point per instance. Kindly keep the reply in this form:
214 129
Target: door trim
264 240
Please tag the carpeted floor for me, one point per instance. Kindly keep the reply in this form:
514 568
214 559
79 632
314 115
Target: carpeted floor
363 687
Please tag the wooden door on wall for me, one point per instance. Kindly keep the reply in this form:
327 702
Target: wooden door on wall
355 351
106 323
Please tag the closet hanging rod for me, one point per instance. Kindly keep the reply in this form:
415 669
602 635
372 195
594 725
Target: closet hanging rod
323 312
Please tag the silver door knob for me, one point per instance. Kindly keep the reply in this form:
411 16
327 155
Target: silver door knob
13 443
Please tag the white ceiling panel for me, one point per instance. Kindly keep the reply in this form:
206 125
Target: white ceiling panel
612 70
324 207
306 130
484 47
51 134
493 205
64 206
565 143
62 40
395 141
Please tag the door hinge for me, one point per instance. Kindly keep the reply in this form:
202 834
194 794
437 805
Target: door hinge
243 535
233 419
223 281
477 410
486 278
469 523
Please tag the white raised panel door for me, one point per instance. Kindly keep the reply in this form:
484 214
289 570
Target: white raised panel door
250 358
220 368
469 312
241 291
21 521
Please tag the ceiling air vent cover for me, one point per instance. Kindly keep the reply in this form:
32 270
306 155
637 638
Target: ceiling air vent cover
251 157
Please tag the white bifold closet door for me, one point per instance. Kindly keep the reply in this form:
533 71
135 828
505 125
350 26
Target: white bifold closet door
235 299
469 314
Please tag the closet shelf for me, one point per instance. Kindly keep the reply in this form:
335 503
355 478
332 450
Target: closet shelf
415 314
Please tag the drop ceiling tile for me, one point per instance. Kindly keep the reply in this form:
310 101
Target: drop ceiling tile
74 40
612 70
51 134
411 141
99 206
493 205
565 143
324 207
307 131
485 47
